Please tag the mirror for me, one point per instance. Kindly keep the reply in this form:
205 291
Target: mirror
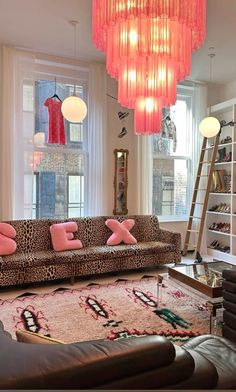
121 182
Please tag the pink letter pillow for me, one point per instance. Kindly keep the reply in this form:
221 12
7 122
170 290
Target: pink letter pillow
120 232
63 237
7 245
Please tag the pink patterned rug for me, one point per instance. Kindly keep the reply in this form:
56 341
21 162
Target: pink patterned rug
118 310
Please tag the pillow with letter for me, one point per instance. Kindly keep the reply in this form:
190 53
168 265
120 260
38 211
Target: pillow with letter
121 232
63 238
7 244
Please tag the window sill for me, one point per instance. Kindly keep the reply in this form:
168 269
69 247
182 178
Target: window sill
170 219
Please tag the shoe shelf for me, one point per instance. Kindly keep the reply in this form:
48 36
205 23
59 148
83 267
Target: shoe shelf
221 163
219 232
223 185
219 213
221 193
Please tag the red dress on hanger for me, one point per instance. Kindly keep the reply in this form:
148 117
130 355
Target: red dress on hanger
56 131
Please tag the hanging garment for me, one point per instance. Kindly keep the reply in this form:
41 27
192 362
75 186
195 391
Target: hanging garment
56 129
169 131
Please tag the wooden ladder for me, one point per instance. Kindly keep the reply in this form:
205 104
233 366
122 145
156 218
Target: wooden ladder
204 202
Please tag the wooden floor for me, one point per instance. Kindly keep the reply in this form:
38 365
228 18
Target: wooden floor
7 293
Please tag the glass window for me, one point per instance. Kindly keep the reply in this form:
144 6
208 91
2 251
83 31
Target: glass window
56 189
172 162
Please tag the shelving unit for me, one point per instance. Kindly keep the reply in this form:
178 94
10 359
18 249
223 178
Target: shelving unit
224 111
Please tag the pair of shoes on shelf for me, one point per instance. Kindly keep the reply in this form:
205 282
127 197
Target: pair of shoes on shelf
228 139
222 227
213 208
224 156
217 246
227 157
220 154
221 181
214 244
222 207
225 249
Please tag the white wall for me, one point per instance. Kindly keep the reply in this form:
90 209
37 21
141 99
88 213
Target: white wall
129 141
221 92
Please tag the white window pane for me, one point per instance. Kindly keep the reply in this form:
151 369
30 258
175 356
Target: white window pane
75 195
170 187
76 132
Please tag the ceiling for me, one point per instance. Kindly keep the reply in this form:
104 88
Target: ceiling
43 26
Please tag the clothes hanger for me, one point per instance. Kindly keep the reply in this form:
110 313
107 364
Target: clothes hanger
55 93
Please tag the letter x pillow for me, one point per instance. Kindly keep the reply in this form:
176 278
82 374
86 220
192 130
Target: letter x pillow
120 232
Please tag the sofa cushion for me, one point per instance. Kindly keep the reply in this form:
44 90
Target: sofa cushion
42 258
106 252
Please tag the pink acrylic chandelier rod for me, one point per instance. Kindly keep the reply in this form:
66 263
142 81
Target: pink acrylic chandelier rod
148 44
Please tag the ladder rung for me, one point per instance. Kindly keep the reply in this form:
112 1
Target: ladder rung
193 245
195 217
200 189
205 162
203 175
193 231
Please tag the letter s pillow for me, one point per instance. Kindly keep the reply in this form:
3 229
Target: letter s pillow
7 244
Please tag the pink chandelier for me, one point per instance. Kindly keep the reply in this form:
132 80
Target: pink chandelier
148 46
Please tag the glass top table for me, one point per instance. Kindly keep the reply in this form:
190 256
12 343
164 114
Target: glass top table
205 277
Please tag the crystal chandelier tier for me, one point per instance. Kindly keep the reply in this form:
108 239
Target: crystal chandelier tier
148 46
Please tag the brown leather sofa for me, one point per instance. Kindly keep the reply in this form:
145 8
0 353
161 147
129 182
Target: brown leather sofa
150 362
229 304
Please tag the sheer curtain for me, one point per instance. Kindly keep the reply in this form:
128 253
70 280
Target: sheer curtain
145 168
13 159
97 142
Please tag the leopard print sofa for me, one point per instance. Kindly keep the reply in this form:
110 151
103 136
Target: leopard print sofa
36 261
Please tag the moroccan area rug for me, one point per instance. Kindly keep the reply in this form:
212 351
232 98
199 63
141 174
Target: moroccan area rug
118 310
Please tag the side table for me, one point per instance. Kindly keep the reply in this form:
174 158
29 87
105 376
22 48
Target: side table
212 306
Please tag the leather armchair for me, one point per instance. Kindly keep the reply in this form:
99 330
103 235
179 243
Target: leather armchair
149 362
229 304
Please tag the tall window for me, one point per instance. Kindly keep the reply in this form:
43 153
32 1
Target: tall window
173 161
57 187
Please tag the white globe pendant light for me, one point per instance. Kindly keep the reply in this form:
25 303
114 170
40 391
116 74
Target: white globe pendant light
209 127
73 108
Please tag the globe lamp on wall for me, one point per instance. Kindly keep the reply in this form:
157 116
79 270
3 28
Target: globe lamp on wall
209 127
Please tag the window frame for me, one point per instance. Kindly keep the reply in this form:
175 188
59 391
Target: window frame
69 75
187 94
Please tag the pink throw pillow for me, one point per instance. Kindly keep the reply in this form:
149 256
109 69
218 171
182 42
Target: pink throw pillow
63 238
7 244
120 232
